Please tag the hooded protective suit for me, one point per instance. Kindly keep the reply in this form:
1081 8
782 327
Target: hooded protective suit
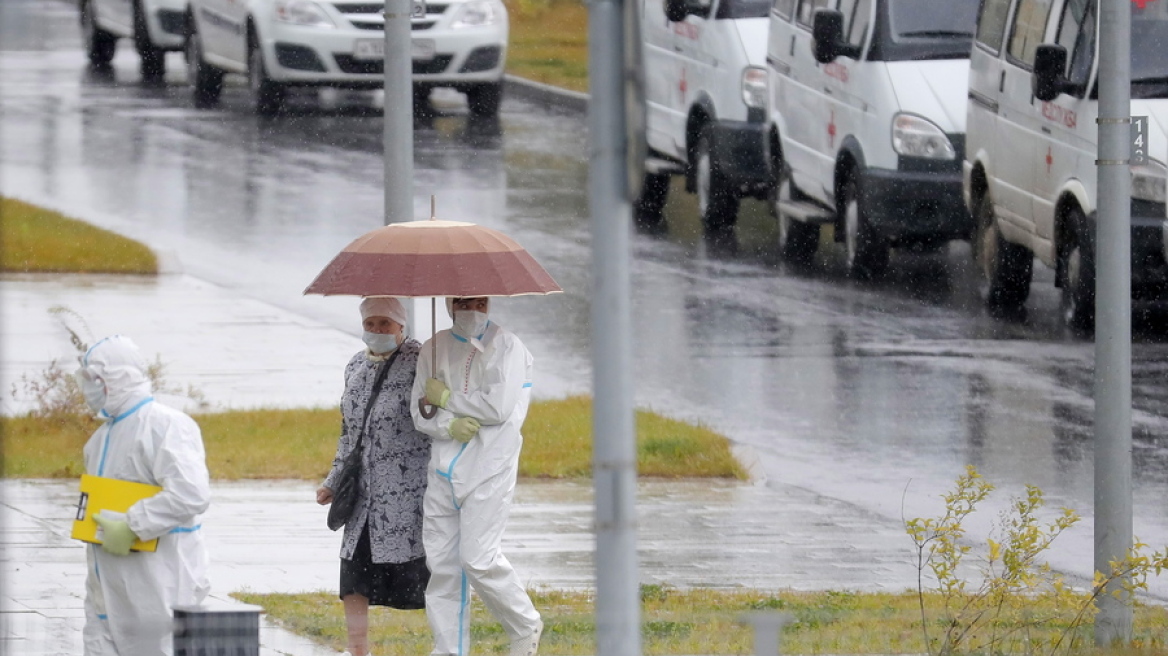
129 599
470 486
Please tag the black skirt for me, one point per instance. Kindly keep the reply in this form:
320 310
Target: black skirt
396 585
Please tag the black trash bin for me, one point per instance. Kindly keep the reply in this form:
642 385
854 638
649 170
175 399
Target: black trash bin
220 630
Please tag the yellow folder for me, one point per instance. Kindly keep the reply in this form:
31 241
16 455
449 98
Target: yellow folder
113 496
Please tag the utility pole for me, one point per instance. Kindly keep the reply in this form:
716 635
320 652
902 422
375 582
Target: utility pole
614 456
1113 440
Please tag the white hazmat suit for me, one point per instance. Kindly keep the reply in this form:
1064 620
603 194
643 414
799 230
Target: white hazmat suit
129 599
471 484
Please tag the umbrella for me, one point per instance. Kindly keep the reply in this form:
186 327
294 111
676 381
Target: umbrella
433 258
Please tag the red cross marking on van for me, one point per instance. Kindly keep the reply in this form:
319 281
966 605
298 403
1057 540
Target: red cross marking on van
1049 159
1141 4
682 86
831 129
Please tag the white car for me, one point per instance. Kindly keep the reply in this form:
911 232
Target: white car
277 44
156 26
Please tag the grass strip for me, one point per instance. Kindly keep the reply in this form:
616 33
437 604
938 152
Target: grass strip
301 443
697 621
34 239
548 42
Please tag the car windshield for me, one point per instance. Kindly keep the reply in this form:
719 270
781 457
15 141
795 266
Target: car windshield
730 9
929 29
1149 49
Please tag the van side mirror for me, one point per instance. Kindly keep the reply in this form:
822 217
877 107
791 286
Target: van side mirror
677 10
1048 81
827 37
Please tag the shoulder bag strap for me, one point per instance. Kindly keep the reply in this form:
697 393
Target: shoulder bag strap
382 373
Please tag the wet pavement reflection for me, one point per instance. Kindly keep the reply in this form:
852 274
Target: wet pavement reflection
874 394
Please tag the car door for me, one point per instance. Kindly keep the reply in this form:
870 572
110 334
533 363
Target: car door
1020 119
848 89
661 77
802 102
986 79
1066 144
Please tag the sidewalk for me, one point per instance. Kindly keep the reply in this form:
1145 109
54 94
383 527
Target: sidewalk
270 536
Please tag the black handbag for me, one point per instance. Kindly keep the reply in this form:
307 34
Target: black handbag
347 489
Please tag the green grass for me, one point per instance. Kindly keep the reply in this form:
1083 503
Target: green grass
676 621
549 42
300 444
36 239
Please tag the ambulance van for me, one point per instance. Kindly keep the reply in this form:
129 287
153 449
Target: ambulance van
705 99
866 124
1029 171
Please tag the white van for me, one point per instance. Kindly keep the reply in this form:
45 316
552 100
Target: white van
1029 172
866 119
156 26
705 93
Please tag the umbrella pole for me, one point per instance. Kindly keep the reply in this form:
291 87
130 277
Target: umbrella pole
428 411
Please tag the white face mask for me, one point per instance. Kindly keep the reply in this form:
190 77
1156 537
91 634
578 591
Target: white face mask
379 342
468 323
94 391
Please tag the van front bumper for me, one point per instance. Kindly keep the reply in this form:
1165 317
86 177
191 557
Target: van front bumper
915 207
739 153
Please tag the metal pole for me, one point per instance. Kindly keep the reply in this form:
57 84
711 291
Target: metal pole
1113 444
398 136
614 473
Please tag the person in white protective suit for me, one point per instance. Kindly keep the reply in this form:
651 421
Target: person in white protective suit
130 596
481 387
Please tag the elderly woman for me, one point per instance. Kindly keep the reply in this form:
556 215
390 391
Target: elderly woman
382 561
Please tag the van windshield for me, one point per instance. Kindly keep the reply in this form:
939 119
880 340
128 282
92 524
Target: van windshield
730 9
928 29
1149 49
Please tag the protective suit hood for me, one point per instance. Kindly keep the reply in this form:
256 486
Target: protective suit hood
118 362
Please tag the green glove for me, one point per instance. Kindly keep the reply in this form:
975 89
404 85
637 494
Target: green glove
436 392
464 428
116 535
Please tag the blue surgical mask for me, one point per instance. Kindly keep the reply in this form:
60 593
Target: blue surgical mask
380 342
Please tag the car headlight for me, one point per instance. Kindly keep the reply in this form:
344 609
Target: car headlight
1150 182
754 86
476 14
913 136
302 12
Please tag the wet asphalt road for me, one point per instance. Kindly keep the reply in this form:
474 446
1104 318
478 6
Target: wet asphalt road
876 394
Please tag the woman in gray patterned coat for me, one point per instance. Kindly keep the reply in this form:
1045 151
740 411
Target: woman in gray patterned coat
382 561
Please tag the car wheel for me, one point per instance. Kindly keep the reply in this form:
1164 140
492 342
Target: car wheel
1078 288
1006 267
99 44
152 60
268 96
649 210
484 99
798 240
866 250
206 80
717 202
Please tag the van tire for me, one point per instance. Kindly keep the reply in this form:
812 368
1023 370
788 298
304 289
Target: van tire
152 60
99 44
717 201
267 96
798 240
206 81
649 210
1007 268
866 251
1078 284
484 99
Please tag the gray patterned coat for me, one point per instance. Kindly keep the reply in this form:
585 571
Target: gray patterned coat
396 456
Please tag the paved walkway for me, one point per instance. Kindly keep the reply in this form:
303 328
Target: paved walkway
270 536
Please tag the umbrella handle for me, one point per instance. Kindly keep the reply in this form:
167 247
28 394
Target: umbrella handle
428 411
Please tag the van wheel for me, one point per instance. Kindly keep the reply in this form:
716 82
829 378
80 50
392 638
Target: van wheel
649 210
267 96
206 80
484 99
1006 268
798 240
152 60
866 250
99 44
717 202
1078 289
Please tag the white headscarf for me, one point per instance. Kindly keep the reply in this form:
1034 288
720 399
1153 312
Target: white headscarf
384 306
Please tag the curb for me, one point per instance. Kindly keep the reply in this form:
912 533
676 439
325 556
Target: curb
546 94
